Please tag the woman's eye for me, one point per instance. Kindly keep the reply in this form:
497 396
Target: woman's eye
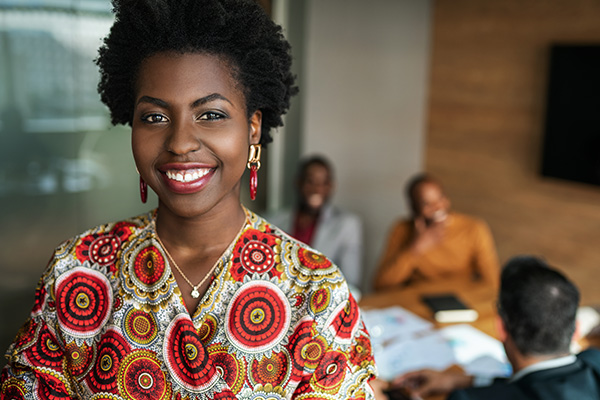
211 115
154 118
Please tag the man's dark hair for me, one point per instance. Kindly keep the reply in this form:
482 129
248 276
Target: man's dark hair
238 31
538 306
411 189
313 160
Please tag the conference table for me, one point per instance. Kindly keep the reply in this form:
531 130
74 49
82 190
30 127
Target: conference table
477 295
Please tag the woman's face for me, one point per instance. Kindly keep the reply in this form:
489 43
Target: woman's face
191 133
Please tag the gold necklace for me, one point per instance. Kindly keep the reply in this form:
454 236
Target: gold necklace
195 293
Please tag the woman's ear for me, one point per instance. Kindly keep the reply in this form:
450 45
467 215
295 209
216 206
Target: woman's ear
255 127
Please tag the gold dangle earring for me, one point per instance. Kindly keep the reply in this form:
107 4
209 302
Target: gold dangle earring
254 165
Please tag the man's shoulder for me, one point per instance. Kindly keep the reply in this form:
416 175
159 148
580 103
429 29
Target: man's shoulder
499 390
574 381
591 358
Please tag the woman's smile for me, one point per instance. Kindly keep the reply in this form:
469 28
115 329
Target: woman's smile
186 178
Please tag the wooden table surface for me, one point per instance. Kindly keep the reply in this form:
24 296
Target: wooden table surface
476 295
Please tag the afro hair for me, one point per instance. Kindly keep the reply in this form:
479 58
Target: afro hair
238 30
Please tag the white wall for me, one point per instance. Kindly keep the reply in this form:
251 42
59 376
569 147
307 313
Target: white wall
364 94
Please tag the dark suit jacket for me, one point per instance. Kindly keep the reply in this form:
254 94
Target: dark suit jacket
577 381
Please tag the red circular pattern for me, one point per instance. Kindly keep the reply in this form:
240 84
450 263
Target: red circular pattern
313 260
346 321
40 298
331 371
254 252
140 326
231 369
104 249
361 351
300 299
186 358
306 348
225 395
140 377
27 334
111 350
45 352
270 370
319 300
208 329
259 316
83 300
149 265
50 387
79 358
257 257
13 389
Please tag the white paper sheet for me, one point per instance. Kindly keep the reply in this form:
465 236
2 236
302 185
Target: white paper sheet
429 351
476 352
404 342
393 323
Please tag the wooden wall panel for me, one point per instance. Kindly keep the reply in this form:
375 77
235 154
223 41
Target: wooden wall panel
486 115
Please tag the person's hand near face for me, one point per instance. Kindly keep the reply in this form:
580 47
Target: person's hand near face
431 214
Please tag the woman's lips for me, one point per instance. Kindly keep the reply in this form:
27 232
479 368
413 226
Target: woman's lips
184 179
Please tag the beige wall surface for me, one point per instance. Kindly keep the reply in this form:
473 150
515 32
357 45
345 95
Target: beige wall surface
366 72
486 114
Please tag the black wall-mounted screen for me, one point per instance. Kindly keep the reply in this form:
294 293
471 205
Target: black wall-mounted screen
572 131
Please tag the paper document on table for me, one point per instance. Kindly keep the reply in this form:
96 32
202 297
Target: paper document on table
393 323
476 352
429 351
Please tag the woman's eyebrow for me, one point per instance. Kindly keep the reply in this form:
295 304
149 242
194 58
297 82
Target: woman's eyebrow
153 100
209 98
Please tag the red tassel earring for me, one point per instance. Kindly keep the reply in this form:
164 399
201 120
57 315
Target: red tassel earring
143 190
254 165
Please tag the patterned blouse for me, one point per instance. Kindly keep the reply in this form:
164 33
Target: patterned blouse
109 322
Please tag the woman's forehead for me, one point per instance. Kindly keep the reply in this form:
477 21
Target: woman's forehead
174 74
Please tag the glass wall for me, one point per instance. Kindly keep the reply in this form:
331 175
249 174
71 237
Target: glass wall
63 167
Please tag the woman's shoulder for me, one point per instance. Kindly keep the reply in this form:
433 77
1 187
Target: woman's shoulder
100 245
298 257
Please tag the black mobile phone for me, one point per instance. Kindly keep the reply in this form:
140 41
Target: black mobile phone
397 394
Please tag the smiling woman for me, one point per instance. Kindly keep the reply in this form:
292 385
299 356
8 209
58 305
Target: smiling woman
198 298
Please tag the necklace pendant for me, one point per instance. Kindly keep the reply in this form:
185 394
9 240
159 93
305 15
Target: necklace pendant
195 293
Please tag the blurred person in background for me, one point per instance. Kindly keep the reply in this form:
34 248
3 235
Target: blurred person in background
537 308
436 243
317 222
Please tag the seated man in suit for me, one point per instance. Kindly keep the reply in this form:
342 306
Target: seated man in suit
537 306
436 243
335 232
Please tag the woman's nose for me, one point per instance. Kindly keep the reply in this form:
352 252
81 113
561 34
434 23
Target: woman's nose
183 138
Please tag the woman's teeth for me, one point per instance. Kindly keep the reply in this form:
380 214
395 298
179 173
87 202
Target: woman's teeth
189 175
